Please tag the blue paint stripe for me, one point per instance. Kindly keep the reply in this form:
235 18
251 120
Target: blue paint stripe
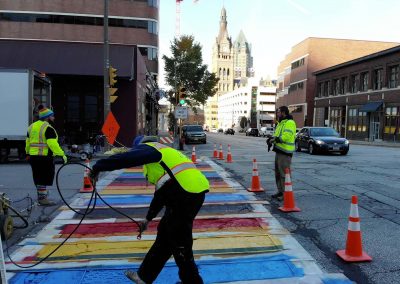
145 199
234 269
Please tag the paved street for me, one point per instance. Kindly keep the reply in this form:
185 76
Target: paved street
323 185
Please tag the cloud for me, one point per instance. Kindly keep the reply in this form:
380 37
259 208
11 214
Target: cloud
299 7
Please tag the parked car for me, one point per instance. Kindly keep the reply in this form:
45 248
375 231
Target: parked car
194 133
252 132
220 130
266 131
230 131
321 139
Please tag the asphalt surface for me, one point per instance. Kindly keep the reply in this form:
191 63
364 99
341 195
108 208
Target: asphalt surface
323 186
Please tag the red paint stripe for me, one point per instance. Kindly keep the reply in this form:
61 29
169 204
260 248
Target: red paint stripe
125 228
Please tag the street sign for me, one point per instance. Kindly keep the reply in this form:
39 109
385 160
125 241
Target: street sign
110 128
181 112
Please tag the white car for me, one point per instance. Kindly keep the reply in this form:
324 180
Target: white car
266 131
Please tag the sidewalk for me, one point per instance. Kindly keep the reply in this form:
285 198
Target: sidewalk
236 239
375 143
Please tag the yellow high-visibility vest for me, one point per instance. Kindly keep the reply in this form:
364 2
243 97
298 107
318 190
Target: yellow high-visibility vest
286 131
36 143
188 176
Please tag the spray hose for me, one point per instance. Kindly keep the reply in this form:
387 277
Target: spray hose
89 209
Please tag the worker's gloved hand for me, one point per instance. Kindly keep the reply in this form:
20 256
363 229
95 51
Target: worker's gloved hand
94 176
270 142
28 157
143 226
65 159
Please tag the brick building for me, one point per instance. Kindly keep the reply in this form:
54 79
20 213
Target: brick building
64 39
296 82
361 98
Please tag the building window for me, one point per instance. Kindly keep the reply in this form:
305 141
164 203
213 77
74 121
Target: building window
362 121
296 86
327 88
354 83
149 52
357 121
364 81
393 76
152 3
91 109
150 25
378 79
336 87
73 103
343 85
392 121
298 63
335 119
320 90
352 120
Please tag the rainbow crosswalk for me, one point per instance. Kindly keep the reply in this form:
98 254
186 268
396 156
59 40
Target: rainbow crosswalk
235 239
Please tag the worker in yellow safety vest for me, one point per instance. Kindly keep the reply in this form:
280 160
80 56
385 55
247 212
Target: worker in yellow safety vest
181 188
283 142
40 147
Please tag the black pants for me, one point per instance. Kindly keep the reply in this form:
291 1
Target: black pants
175 238
43 170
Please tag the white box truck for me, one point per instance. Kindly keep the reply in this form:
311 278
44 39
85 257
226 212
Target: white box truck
21 92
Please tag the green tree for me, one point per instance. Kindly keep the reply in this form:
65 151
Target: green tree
243 122
185 69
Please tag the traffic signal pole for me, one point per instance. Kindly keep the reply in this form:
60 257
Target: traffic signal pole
106 64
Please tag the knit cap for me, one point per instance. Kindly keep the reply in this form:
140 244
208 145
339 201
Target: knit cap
45 113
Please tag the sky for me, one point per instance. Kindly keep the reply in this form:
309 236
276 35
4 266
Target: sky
272 27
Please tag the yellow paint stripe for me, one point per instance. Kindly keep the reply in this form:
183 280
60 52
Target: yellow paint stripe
88 248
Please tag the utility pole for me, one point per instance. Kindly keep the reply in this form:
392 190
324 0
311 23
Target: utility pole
106 64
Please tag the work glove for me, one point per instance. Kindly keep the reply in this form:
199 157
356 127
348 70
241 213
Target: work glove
65 159
28 157
94 176
143 226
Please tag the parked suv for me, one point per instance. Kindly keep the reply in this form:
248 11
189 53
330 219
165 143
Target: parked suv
194 133
252 132
266 131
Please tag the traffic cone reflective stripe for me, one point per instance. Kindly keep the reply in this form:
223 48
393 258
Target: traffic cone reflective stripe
288 196
353 251
215 154
255 179
221 153
87 185
194 159
229 155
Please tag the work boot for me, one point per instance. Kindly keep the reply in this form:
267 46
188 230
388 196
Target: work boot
133 275
46 202
277 195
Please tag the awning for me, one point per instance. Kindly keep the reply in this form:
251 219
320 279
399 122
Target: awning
371 106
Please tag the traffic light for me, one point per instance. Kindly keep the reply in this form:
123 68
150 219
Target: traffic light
182 96
112 79
112 73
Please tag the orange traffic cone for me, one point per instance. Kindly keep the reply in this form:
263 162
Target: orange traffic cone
288 196
229 155
255 180
221 153
194 159
353 251
215 154
87 185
